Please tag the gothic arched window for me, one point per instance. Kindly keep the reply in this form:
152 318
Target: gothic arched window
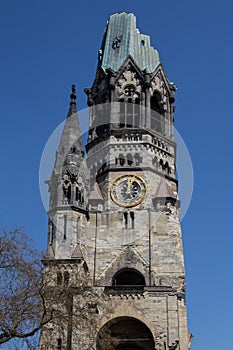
156 102
129 159
157 112
66 187
79 196
66 277
121 159
138 159
129 107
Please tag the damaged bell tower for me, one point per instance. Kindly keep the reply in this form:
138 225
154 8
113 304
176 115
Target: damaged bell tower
114 259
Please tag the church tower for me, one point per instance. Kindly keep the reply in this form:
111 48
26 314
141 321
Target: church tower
114 264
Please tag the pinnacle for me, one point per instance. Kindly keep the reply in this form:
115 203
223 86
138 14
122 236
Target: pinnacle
73 97
71 136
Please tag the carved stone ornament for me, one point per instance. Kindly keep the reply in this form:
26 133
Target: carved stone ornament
129 90
160 341
129 74
174 345
129 84
66 180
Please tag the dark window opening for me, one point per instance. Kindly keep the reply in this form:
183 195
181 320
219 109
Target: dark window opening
129 159
121 159
157 103
101 129
130 113
161 164
157 114
128 278
132 219
59 343
59 278
129 220
138 159
85 267
126 220
73 149
67 193
66 277
79 196
142 42
65 227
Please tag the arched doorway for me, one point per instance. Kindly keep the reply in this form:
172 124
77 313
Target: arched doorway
125 333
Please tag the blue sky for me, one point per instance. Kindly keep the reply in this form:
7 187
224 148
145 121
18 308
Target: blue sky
48 45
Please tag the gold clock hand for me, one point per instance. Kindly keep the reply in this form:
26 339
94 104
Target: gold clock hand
128 186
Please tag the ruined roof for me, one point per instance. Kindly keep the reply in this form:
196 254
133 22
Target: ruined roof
123 39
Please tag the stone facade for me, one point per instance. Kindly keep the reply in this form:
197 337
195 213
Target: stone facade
114 263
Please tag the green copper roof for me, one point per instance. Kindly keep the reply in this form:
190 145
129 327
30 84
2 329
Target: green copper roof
122 39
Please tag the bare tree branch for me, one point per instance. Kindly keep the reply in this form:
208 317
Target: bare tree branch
22 305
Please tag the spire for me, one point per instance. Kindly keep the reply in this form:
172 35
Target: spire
69 180
71 139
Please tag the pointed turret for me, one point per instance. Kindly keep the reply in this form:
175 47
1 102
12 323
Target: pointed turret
71 139
69 180
69 188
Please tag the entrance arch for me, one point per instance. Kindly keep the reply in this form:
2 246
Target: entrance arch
125 333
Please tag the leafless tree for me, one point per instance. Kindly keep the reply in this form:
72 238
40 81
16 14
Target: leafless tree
22 311
27 304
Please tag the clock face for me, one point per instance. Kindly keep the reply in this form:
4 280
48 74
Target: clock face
128 190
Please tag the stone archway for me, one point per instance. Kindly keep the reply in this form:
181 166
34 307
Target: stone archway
125 333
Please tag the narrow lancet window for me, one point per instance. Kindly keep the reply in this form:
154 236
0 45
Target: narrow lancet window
59 278
65 227
66 277
59 344
126 219
132 219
